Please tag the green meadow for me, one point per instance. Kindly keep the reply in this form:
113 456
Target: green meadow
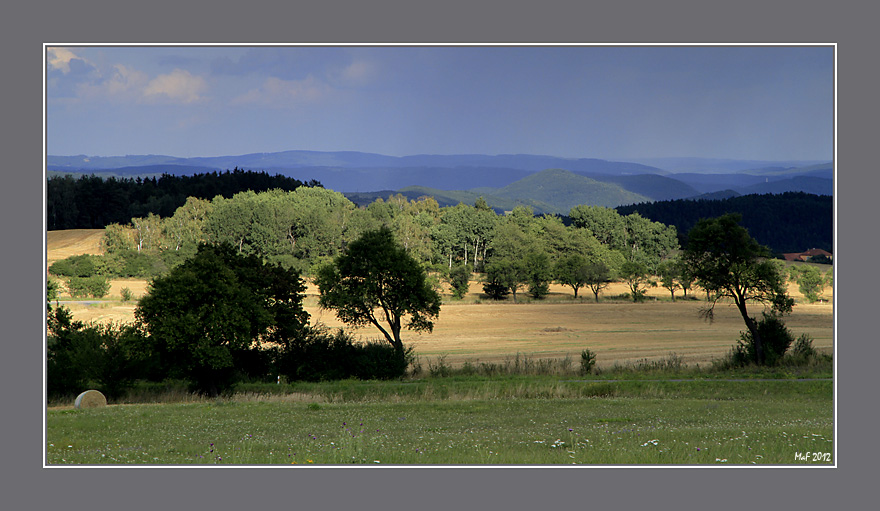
465 420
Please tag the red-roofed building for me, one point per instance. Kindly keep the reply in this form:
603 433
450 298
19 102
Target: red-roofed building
808 255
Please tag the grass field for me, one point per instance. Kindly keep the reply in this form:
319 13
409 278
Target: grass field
472 422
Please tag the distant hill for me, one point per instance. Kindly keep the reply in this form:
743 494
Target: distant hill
806 184
653 186
395 178
137 171
719 195
504 177
720 165
564 190
498 203
553 191
813 180
825 170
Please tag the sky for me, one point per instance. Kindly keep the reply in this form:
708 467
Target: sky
609 102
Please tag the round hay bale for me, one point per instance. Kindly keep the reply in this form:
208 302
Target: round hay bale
90 399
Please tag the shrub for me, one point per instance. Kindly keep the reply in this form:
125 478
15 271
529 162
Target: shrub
588 361
539 289
125 294
96 286
323 355
803 349
776 339
84 265
439 369
140 265
107 357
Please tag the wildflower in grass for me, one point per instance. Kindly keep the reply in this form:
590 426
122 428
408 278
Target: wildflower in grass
310 461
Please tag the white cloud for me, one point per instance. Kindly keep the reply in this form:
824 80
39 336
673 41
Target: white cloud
179 86
278 92
122 83
358 71
59 58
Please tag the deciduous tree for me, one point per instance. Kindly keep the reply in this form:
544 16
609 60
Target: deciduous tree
728 263
374 281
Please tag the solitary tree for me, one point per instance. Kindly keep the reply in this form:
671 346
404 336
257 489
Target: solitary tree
728 263
374 281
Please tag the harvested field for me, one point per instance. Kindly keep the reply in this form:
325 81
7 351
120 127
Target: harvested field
618 331
63 244
480 330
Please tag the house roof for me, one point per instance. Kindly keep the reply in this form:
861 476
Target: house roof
800 256
816 251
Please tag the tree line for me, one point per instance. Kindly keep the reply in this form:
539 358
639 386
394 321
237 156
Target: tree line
92 202
307 227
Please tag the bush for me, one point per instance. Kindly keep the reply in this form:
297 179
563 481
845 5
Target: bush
588 361
96 286
131 263
323 355
125 294
539 289
84 265
803 350
776 339
106 357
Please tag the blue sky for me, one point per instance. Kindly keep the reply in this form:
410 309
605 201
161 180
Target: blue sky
742 102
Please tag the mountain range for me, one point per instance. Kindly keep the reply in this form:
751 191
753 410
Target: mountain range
548 184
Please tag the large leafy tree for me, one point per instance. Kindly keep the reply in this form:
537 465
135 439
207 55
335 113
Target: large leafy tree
214 310
375 281
728 263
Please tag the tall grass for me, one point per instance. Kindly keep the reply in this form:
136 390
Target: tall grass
520 376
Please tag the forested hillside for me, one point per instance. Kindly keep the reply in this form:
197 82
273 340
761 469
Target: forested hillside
787 222
92 202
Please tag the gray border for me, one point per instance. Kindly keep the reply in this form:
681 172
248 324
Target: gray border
457 21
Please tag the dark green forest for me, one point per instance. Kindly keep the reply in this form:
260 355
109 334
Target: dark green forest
93 202
786 222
